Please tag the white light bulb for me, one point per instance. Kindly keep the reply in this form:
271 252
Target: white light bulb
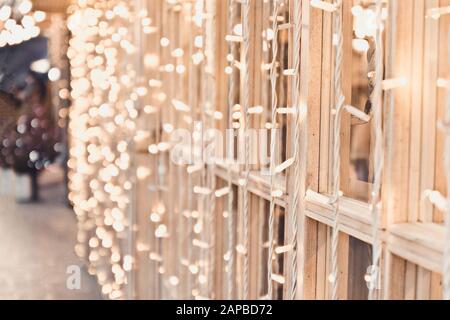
164 42
39 16
54 74
25 6
5 13
40 66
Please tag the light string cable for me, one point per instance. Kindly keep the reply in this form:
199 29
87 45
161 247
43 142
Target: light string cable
165 169
190 200
131 174
273 147
246 102
198 145
197 167
446 256
339 107
203 255
230 156
153 109
159 159
100 153
210 71
376 102
180 227
299 121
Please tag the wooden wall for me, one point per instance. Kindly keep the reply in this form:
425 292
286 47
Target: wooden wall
187 230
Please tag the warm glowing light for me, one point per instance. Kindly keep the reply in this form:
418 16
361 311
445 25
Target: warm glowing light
54 74
25 6
39 16
5 13
40 66
360 45
164 42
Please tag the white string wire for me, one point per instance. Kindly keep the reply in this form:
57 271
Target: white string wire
246 104
378 155
297 162
190 200
160 170
446 256
211 49
203 256
230 220
339 101
273 147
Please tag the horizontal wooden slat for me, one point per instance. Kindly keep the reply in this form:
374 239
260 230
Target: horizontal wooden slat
420 243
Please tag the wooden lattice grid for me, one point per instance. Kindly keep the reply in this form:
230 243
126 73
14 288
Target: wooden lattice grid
187 83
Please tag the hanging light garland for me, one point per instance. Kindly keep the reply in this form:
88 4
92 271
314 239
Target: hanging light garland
211 110
246 132
436 13
102 120
230 70
18 22
363 28
273 147
377 116
446 255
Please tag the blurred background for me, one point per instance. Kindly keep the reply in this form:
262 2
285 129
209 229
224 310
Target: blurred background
37 226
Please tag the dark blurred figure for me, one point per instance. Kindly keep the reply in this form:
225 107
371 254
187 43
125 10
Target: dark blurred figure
29 141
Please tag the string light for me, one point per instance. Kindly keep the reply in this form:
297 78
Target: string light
101 114
18 22
105 91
